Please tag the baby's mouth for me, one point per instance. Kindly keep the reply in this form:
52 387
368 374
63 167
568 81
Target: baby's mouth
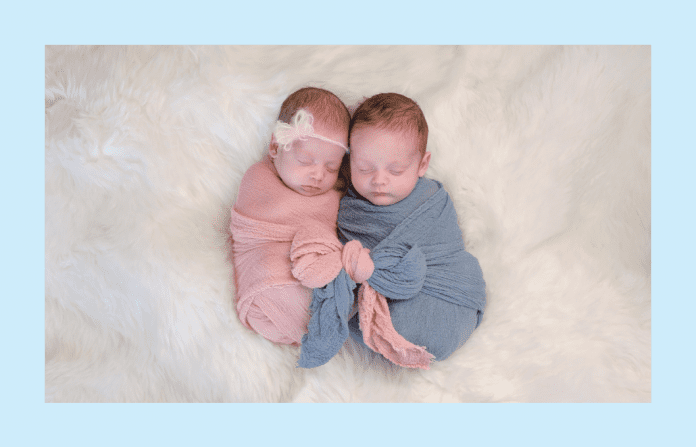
310 189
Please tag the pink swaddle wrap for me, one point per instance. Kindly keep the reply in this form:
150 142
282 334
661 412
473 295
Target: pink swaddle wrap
264 221
283 245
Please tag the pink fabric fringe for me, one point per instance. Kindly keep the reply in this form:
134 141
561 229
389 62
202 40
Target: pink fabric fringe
375 319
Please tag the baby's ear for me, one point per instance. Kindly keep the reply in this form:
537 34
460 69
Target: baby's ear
425 162
273 147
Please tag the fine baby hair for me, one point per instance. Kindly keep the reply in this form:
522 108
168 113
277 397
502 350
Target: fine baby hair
322 105
395 112
299 129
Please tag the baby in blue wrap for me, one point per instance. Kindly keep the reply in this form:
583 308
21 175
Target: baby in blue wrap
407 226
388 159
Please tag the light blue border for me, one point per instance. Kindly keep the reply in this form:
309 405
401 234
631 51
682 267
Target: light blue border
663 25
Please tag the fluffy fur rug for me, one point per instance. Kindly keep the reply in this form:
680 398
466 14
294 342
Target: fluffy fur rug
544 150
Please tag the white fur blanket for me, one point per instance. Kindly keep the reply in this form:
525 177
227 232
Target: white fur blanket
544 150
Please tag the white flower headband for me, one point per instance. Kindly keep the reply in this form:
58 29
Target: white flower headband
299 128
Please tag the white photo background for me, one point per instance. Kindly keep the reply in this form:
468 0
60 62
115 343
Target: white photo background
544 150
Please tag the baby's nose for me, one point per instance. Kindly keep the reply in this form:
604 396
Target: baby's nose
379 178
317 173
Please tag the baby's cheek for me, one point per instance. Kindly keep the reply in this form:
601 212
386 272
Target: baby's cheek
299 172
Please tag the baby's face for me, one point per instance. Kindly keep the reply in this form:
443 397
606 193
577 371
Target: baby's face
385 165
311 166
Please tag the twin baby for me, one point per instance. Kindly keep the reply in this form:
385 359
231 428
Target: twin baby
383 262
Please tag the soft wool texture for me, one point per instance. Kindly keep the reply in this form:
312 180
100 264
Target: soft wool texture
545 152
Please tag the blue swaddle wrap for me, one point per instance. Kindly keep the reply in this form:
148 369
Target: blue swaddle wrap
417 249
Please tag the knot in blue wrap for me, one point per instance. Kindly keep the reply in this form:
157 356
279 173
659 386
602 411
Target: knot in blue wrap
399 270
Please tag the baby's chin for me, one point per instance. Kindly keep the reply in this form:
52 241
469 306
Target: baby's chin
310 191
382 199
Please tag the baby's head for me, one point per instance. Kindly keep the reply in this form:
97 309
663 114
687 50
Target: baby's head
388 138
310 141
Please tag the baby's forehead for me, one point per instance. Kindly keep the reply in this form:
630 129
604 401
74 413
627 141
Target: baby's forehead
376 156
373 138
399 157
313 148
377 130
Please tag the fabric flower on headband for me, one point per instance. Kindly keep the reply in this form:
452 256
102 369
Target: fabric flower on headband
300 127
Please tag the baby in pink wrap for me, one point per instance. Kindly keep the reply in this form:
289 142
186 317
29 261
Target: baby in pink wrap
295 188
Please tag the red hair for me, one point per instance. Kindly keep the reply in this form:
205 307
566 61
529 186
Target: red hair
326 107
395 112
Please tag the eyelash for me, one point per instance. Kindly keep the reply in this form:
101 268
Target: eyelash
367 171
308 163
